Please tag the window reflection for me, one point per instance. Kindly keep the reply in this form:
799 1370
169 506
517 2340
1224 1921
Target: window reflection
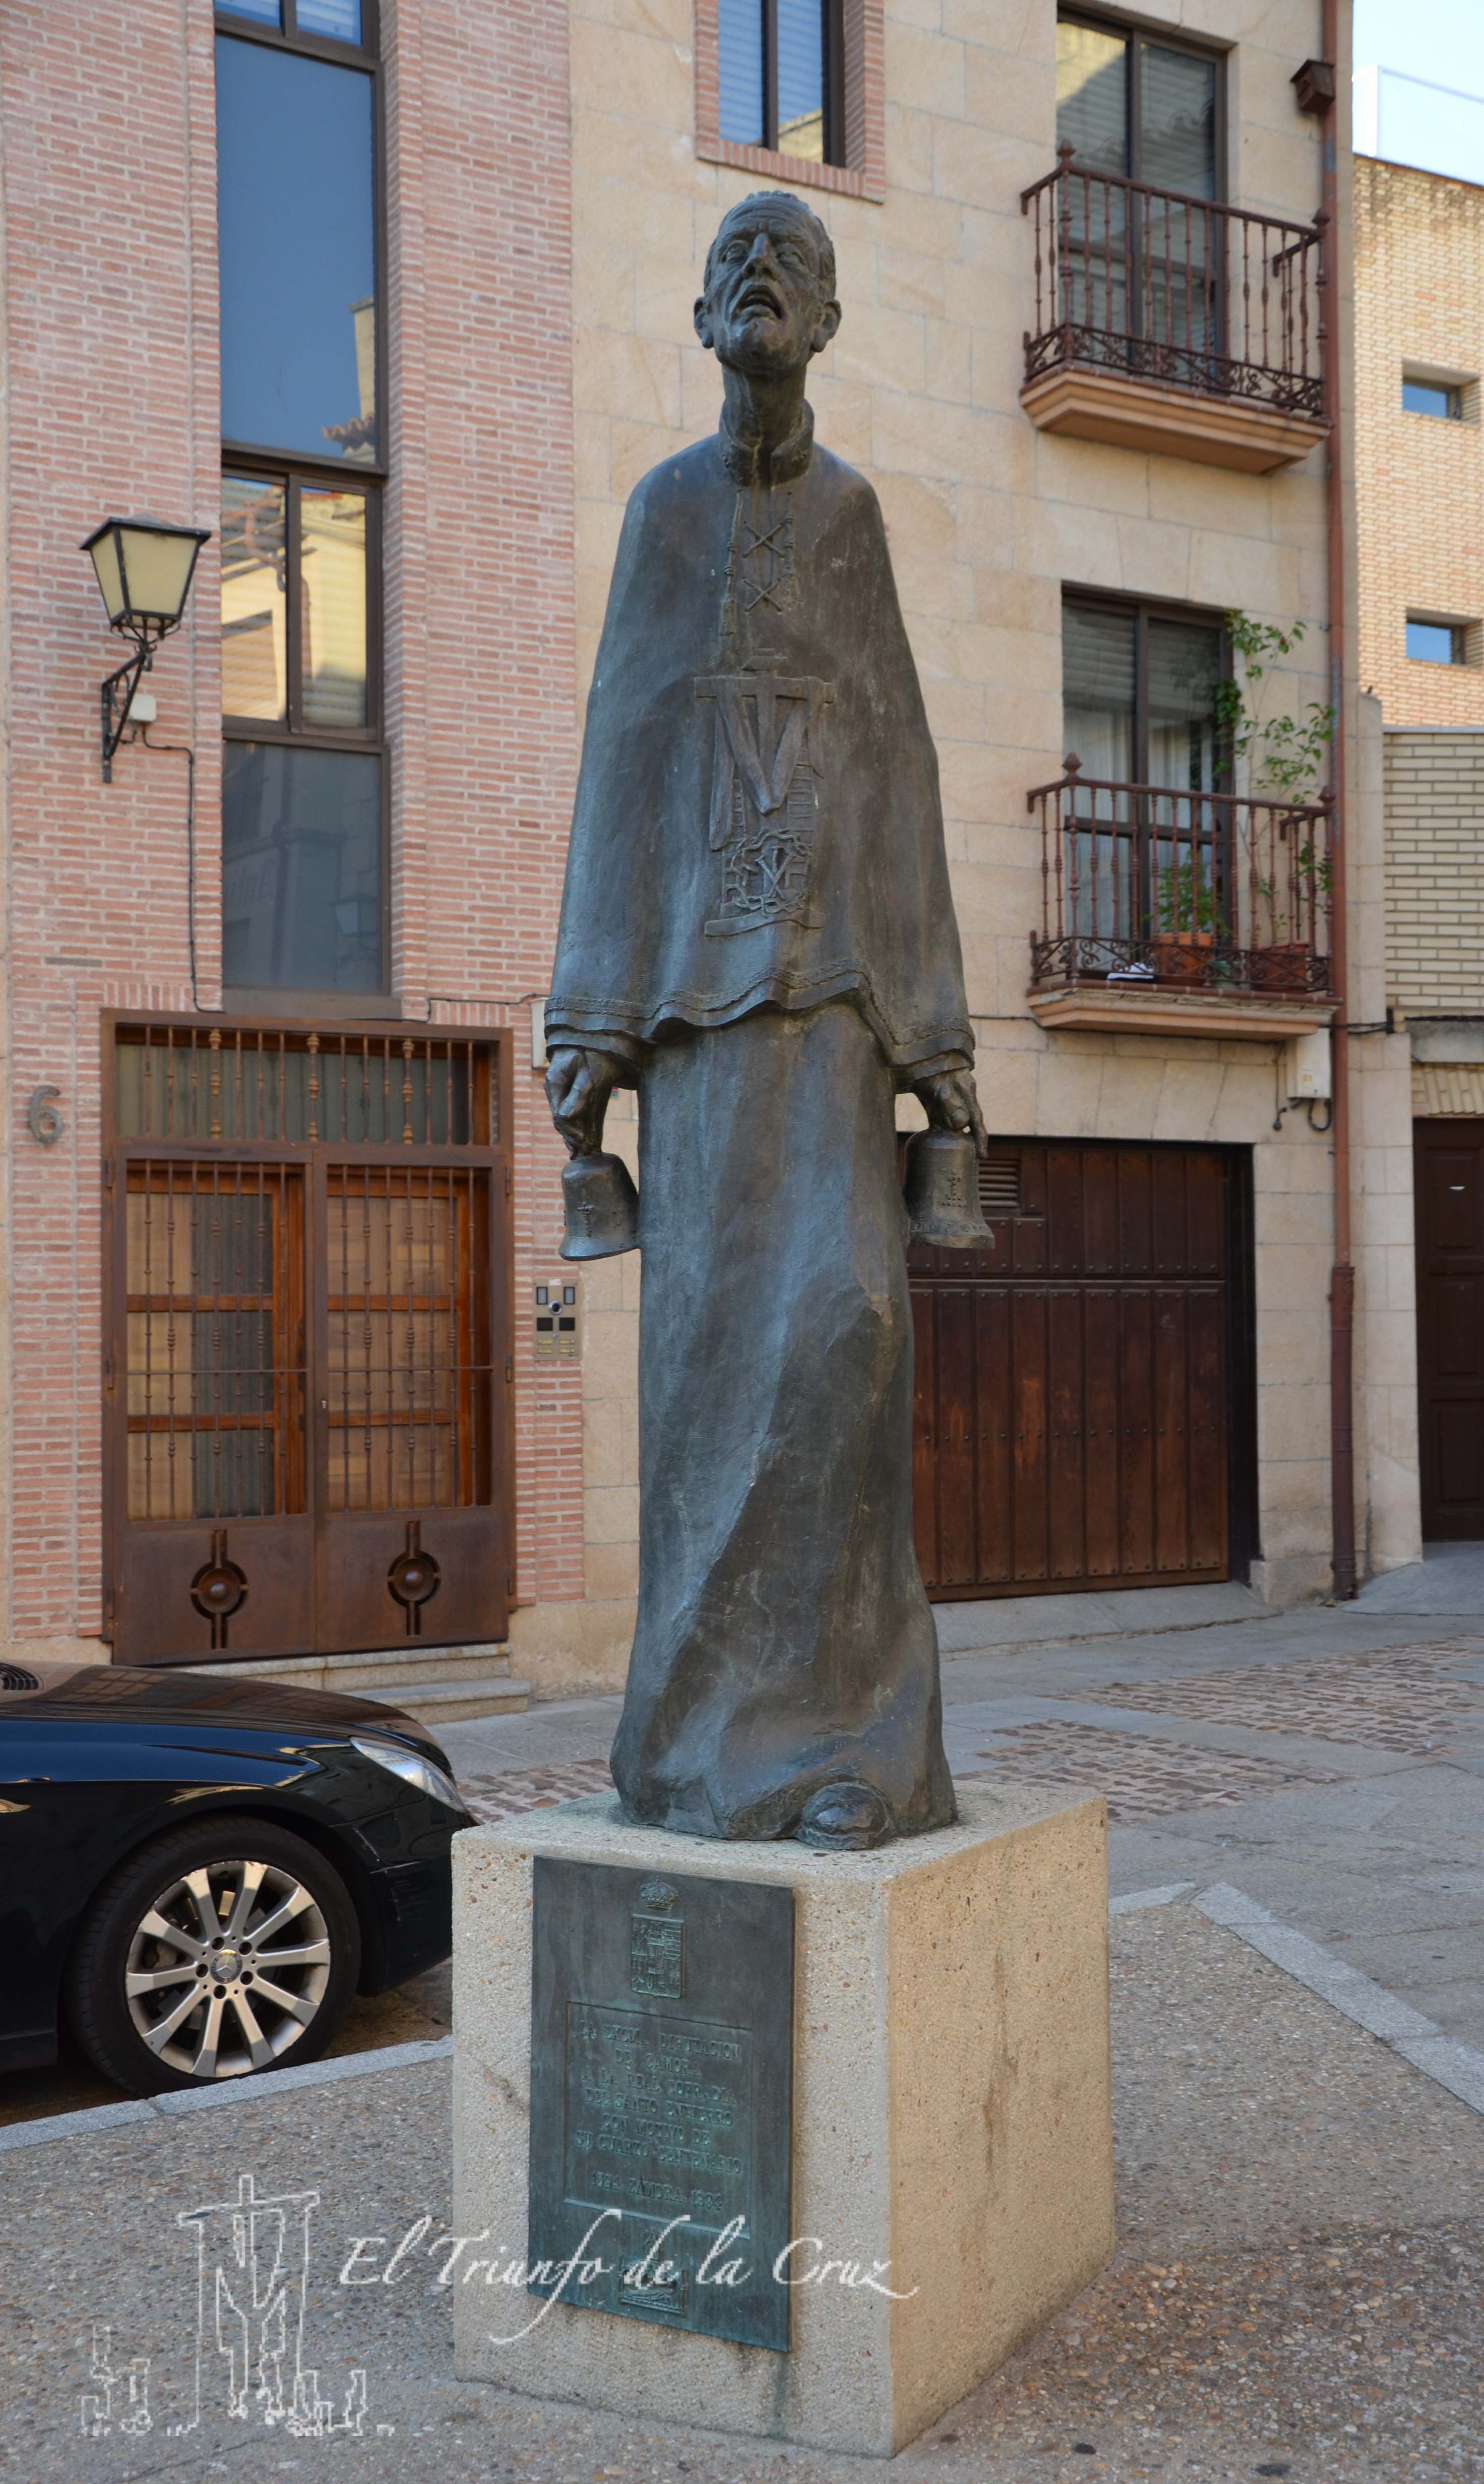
297 251
332 555
263 12
740 71
1091 95
301 868
801 79
337 18
254 608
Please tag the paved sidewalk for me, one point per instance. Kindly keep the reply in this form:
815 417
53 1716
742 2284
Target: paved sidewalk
1297 2288
1330 1761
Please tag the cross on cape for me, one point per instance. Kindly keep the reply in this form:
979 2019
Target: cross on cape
764 725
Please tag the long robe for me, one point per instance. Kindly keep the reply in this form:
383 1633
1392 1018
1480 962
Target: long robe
757 921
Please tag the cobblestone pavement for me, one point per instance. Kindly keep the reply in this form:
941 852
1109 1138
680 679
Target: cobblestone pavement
1389 1699
515 1789
1142 1780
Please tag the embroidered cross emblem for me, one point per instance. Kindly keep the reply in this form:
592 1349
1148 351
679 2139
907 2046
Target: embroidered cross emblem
763 802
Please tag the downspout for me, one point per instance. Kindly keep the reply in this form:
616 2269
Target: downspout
1343 1273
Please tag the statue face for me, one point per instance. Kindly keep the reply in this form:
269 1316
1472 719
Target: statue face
764 310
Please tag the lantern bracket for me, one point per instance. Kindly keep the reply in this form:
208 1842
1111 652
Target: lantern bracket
115 698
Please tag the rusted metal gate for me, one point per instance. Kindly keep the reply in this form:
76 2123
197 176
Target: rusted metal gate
305 1383
1074 1384
1449 1192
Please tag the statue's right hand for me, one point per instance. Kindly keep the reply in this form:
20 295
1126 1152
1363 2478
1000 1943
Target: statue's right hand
578 1086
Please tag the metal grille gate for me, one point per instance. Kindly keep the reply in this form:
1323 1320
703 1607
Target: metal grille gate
306 1377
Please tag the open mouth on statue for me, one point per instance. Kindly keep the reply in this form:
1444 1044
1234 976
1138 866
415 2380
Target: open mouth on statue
756 298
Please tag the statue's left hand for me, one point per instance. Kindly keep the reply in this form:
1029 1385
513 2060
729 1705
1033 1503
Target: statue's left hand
951 1103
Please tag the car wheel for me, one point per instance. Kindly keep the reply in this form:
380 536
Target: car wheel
216 1951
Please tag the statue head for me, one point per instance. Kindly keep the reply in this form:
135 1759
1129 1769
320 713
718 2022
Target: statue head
769 299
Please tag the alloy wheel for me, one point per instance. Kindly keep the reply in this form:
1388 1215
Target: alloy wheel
227 1968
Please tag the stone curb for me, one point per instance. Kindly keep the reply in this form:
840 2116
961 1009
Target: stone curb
265 2084
1456 2067
1450 2064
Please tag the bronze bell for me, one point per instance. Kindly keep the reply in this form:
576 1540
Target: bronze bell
602 1208
942 1192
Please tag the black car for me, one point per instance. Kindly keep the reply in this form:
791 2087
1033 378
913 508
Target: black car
197 1872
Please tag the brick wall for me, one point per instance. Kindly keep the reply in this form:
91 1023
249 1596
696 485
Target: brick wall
1435 870
111 342
1418 305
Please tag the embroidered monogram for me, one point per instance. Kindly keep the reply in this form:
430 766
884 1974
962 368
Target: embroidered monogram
763 803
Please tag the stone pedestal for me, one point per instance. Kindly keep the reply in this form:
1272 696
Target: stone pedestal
952 2128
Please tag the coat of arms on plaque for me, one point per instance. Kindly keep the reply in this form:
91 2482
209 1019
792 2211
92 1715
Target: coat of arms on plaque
657 1945
763 805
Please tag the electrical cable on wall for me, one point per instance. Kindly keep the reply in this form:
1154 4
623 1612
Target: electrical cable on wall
183 750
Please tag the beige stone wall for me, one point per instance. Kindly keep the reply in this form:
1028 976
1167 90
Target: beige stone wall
1435 866
1388 1519
1418 309
989 520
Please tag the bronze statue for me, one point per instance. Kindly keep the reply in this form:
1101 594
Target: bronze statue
757 933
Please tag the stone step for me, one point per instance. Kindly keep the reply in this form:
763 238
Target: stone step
449 1703
396 1672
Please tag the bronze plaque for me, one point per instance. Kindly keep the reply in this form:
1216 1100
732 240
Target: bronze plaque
661 2097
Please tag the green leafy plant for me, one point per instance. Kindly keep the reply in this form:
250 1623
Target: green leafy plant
1285 755
1185 902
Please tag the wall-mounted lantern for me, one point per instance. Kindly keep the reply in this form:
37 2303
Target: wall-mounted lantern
144 571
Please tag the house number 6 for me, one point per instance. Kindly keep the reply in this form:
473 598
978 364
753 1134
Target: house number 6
42 1119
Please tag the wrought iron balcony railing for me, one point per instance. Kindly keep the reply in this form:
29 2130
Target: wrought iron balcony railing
1146 885
1159 286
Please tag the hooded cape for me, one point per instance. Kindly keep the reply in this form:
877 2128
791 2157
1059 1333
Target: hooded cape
758 820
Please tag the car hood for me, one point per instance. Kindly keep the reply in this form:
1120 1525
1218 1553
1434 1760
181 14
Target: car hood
161 1695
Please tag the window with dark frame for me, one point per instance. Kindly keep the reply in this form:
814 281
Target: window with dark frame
781 76
1138 104
304 863
1142 264
1139 686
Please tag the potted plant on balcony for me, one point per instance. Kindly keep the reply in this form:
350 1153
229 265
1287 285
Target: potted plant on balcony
1282 757
1186 914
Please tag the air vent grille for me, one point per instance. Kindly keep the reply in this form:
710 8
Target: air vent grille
999 1184
15 1676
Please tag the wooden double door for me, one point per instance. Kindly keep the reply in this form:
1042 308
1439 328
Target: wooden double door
306 1399
1082 1394
1448 1190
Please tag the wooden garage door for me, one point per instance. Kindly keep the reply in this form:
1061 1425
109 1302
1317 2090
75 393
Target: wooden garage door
1449 1187
1072 1397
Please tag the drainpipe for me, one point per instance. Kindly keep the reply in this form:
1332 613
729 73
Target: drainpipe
1343 1273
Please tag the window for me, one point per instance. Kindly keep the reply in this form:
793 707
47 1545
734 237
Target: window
1437 642
1139 710
780 78
304 863
1425 396
1129 103
1141 265
307 1329
1139 694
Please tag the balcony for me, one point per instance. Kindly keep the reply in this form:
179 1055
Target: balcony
1167 912
1169 323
